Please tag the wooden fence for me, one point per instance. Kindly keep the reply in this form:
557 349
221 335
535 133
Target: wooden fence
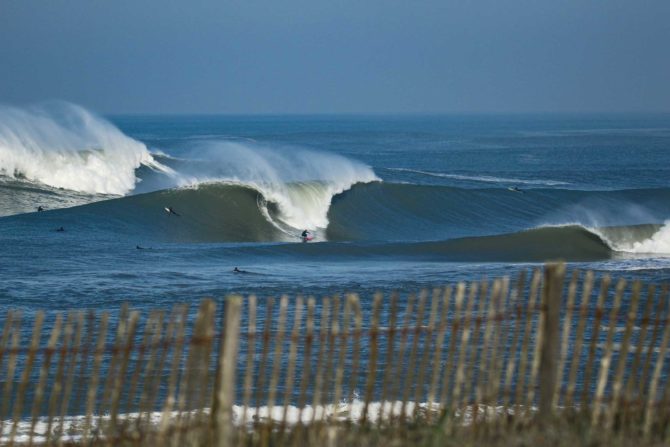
508 354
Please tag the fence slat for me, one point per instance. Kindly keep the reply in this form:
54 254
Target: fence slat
292 355
387 394
318 380
623 356
276 358
411 363
649 410
439 343
27 368
595 332
44 372
251 353
307 362
446 398
525 341
565 334
372 363
587 288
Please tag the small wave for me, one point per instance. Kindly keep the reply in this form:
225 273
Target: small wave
481 178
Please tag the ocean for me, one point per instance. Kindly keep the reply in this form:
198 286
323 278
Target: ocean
394 203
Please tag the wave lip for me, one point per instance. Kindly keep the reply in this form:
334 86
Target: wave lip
65 146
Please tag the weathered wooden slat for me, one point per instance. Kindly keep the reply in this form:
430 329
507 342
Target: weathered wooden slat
499 348
44 372
521 382
14 338
439 344
426 348
152 364
396 386
276 358
262 368
307 357
372 363
344 339
589 370
318 380
292 358
655 378
57 389
606 358
95 374
387 384
617 386
411 363
513 347
565 334
331 350
251 353
27 368
575 364
178 344
78 319
632 382
661 309
225 395
455 401
446 397
473 354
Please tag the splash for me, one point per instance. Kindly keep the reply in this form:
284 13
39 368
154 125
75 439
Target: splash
65 146
658 243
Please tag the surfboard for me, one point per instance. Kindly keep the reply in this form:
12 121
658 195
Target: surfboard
307 238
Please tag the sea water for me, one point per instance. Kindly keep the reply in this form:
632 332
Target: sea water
394 202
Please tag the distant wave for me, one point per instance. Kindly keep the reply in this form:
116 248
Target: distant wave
480 178
65 146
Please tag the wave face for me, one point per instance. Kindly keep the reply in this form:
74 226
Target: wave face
298 182
65 146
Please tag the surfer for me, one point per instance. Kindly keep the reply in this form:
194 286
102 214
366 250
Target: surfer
515 189
138 247
60 230
236 270
40 209
305 236
169 210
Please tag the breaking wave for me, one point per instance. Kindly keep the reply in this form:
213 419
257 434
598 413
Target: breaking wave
62 145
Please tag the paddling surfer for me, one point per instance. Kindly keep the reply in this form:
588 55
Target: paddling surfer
170 210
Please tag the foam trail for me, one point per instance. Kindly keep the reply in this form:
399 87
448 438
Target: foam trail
65 146
301 183
481 178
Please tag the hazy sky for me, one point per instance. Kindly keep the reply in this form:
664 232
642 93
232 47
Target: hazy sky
309 56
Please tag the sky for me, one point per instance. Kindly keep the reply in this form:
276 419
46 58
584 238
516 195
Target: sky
338 56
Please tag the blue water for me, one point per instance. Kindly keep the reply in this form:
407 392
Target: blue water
395 203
